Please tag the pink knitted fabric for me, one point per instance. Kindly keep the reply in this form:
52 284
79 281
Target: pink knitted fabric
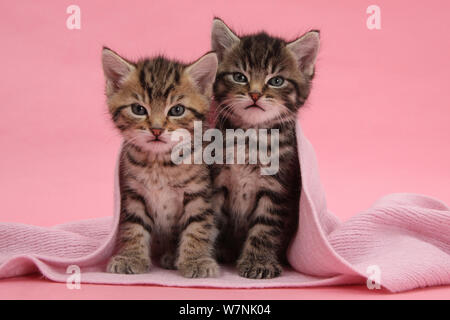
403 237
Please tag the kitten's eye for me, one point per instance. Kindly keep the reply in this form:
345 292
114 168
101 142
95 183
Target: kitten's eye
138 109
276 81
177 110
239 77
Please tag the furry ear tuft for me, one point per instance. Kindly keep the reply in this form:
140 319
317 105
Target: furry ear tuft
222 38
305 50
116 70
203 72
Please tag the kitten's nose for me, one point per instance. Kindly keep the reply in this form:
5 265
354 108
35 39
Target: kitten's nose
156 131
255 96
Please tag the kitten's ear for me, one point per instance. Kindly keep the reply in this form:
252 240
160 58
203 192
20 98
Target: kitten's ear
305 50
203 72
116 69
222 38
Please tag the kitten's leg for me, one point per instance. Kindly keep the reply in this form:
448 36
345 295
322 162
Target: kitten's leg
217 204
259 257
135 230
225 250
198 236
168 258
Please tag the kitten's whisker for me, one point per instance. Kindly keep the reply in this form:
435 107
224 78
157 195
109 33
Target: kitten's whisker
225 108
226 113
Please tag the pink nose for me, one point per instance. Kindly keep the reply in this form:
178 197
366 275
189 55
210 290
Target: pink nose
156 132
255 96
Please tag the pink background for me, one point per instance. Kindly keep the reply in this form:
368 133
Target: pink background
378 115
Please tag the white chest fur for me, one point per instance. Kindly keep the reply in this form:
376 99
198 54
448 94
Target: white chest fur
164 202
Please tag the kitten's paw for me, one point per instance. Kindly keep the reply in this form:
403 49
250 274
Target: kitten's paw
128 264
249 268
199 268
167 261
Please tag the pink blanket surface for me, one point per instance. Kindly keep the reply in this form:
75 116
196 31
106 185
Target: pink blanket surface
402 242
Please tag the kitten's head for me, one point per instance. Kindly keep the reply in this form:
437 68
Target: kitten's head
152 98
262 79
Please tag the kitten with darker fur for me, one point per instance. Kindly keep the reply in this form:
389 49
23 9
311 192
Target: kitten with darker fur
261 83
165 208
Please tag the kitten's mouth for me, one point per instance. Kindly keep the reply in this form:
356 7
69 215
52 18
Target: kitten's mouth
254 106
155 140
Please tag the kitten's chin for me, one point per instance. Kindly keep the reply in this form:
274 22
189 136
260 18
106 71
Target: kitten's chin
248 114
150 144
255 116
158 147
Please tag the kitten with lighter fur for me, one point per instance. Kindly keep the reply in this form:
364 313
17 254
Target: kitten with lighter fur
165 208
261 83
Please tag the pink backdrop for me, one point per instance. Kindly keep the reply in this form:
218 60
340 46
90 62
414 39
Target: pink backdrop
378 115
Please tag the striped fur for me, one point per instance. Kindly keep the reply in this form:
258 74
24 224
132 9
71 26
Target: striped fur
259 213
166 212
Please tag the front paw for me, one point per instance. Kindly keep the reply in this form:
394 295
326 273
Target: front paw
198 268
128 264
258 269
167 261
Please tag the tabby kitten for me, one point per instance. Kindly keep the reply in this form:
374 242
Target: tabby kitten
261 83
165 208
